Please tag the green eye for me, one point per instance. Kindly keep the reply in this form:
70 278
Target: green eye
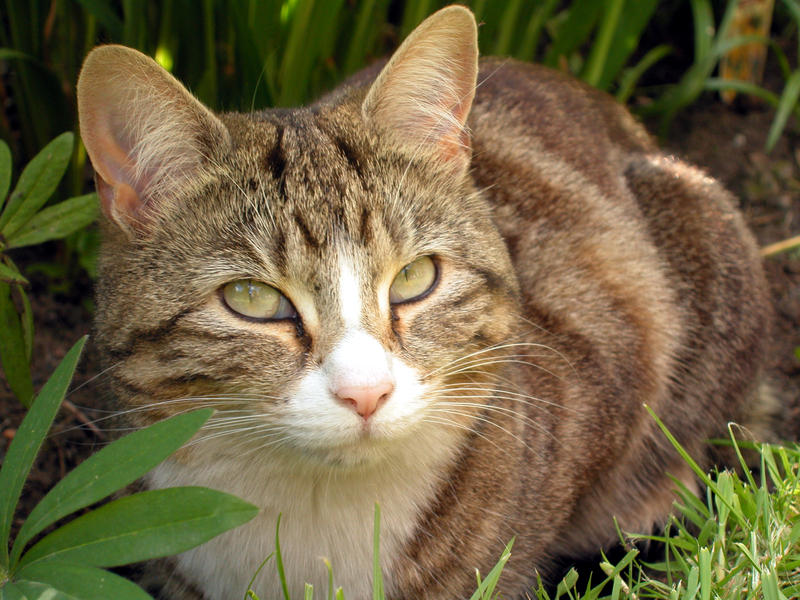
413 281
257 300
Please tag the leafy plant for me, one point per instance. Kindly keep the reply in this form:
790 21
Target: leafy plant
24 222
68 562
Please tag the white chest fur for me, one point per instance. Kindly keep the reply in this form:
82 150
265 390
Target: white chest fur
326 513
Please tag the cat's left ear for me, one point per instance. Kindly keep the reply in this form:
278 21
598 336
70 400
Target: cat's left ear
422 97
149 139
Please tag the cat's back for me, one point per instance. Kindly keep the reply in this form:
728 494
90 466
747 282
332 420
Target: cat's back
614 239
531 110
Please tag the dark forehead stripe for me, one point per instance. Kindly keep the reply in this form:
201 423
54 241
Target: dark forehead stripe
275 161
365 230
311 241
352 156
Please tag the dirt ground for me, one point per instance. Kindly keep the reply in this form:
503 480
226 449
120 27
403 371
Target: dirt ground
726 142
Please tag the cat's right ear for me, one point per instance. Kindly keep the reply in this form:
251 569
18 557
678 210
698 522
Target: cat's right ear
423 95
146 135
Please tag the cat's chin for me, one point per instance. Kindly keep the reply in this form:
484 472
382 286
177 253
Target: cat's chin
374 446
369 447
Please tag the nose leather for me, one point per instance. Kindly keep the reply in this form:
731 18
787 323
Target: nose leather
365 399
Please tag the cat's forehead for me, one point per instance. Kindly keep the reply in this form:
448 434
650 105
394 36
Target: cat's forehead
306 158
325 178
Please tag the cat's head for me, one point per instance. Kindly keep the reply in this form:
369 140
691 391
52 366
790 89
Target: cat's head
328 278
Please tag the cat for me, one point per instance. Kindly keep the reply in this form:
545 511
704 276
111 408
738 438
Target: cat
449 288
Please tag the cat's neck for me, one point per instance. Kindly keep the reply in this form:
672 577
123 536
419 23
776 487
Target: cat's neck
326 511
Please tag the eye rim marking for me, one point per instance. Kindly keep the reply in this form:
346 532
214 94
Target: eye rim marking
430 289
294 317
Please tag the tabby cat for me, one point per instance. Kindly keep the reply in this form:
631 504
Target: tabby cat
448 287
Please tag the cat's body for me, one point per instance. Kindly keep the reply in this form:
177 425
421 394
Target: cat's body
578 274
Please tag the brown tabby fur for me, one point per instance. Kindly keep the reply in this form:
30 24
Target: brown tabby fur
600 274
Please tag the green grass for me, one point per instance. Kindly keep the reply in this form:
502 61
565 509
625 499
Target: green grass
741 541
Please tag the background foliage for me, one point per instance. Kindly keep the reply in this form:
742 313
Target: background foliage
244 54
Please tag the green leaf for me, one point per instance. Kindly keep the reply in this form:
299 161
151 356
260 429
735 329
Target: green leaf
28 440
30 590
13 355
26 320
143 526
8 274
37 183
58 221
5 172
110 469
82 582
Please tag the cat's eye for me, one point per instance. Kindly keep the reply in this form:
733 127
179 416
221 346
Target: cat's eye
257 300
414 281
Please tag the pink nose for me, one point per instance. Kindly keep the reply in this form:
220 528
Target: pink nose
365 399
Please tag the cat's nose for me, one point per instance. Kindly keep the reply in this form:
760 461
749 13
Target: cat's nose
365 399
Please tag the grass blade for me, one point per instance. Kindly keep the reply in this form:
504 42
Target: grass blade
109 470
631 77
530 40
788 103
703 23
579 24
413 14
279 560
360 41
489 583
599 53
508 23
30 435
685 455
635 17
26 320
146 525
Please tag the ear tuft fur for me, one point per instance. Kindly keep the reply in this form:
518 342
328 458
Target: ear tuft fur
423 95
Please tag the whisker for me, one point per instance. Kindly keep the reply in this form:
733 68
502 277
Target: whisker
93 378
445 410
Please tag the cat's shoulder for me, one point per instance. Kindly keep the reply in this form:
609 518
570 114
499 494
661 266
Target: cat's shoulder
550 103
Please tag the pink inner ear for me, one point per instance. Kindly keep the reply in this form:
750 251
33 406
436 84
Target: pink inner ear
120 201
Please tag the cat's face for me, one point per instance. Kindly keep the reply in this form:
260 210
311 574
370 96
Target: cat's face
329 283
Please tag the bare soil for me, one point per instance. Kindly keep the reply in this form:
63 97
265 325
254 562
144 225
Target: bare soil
726 142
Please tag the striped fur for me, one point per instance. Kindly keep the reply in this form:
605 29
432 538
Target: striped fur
581 273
